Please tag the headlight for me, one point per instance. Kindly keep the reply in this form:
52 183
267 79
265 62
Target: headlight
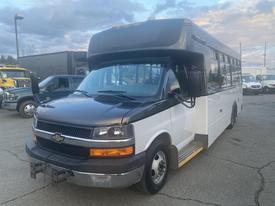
114 132
10 96
244 86
34 121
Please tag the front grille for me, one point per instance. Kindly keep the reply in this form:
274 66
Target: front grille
72 150
255 86
65 130
23 83
5 96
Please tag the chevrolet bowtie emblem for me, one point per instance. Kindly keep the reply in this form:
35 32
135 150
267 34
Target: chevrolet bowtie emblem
57 137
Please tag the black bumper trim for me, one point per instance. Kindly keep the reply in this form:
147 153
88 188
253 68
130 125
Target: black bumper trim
105 166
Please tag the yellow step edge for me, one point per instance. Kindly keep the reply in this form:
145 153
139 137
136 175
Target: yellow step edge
187 159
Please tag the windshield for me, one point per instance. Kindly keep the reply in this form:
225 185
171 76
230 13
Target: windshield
249 78
12 74
269 77
45 82
137 80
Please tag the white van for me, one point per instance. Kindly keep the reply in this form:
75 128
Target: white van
268 82
250 84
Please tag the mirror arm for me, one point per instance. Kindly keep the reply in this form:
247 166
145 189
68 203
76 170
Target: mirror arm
191 102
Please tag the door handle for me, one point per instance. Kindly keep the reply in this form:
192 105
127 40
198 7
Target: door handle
220 110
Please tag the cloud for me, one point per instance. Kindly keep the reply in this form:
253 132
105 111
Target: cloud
250 22
265 6
160 7
56 25
65 22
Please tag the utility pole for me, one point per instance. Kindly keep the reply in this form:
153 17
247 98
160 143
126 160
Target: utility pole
241 52
265 47
17 17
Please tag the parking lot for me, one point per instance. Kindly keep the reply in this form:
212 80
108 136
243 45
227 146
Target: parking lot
239 169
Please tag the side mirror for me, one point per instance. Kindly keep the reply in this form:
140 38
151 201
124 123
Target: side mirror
195 83
34 83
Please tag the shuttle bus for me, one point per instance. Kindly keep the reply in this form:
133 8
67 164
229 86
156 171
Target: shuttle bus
159 93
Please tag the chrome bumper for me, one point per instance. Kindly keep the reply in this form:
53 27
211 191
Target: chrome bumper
9 105
58 174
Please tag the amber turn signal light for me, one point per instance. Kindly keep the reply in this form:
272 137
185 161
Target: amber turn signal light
111 152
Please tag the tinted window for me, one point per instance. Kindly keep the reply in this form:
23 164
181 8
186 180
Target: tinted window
249 78
223 73
58 83
130 79
214 76
74 82
63 83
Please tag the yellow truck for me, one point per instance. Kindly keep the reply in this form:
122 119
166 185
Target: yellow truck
13 76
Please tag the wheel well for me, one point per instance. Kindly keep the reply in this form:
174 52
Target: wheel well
19 102
235 108
165 138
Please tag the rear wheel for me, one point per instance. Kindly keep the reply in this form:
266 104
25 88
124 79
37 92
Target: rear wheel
27 108
156 170
233 118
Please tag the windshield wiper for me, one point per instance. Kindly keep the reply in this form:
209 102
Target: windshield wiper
111 91
117 94
82 92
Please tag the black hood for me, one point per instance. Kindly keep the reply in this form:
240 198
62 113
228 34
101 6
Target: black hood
85 111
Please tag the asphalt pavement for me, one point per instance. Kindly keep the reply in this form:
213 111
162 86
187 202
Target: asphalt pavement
238 170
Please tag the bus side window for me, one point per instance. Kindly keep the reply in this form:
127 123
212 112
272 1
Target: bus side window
214 77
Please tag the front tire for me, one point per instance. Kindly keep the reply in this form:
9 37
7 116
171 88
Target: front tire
156 170
26 109
266 90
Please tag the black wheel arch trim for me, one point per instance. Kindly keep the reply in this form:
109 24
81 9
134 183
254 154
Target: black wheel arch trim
23 99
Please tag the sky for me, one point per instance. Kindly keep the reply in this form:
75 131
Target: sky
58 25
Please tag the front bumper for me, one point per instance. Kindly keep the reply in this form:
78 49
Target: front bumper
104 173
252 90
271 89
9 105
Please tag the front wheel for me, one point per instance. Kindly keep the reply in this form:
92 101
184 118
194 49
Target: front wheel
156 170
266 90
26 109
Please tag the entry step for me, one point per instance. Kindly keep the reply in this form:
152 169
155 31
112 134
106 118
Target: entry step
189 151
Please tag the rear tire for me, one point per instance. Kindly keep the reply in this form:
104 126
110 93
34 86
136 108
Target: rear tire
156 169
27 108
233 118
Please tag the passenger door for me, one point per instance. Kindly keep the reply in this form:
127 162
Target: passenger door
58 87
62 89
182 118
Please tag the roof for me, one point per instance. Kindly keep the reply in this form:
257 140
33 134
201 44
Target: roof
163 34
11 67
60 52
